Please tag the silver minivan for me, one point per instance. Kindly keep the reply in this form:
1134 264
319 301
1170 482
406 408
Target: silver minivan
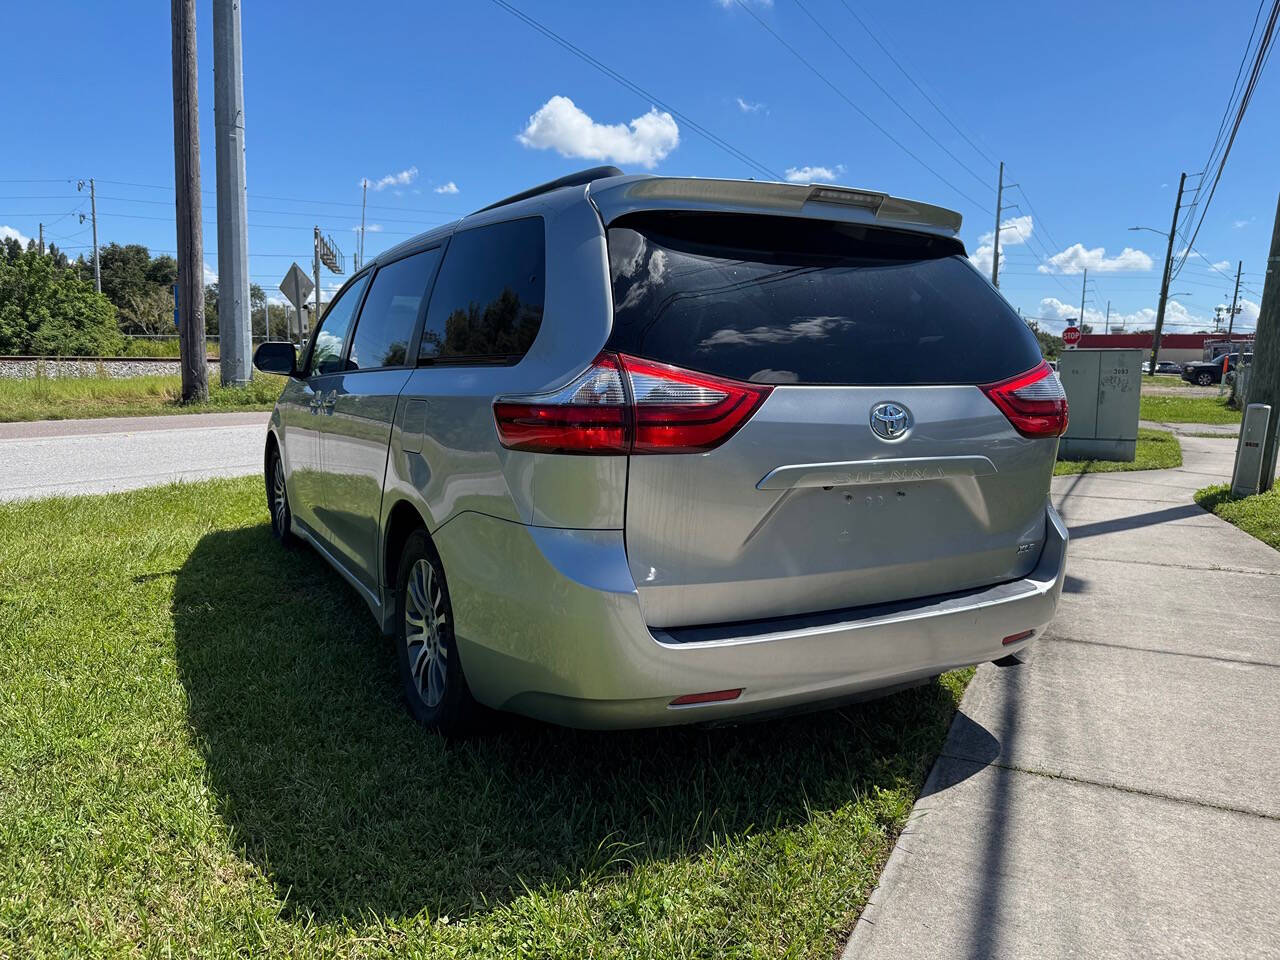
625 451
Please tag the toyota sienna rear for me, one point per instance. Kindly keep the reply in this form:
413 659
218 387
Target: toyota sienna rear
656 450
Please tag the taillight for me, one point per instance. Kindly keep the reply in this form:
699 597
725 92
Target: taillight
623 404
1033 401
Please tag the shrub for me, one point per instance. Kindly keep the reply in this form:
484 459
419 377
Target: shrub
47 309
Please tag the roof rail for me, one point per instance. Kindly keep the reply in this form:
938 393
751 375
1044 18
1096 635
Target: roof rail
581 178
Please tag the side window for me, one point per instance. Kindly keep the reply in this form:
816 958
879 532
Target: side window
487 303
395 302
335 327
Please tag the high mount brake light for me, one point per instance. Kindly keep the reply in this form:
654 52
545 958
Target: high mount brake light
1034 402
623 404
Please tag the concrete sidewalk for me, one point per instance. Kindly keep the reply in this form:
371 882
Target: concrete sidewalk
52 457
1119 795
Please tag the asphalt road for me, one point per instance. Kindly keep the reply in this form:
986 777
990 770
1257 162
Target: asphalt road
66 457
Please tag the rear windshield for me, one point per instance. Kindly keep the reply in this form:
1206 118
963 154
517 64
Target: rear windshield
782 300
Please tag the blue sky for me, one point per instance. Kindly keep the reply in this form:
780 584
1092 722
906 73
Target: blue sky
445 106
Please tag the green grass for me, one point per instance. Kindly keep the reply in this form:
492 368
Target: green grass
1167 408
1258 516
65 398
1157 450
203 753
1211 435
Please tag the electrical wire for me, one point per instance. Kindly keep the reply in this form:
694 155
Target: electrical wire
637 89
847 99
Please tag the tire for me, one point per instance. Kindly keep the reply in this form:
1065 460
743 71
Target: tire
1204 379
434 685
278 501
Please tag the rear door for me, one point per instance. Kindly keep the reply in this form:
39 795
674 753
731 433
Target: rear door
358 429
877 469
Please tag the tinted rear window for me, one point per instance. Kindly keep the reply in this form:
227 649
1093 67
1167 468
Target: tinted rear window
781 300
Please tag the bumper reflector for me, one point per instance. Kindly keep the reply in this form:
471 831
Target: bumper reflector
1015 637
713 696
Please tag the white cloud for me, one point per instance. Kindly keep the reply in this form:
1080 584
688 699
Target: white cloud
815 174
1177 317
1248 316
746 106
1077 258
1237 224
1221 265
370 228
449 187
12 233
401 179
210 275
728 4
560 125
1013 232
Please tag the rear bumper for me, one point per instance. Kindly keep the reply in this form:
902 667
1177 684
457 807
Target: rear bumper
549 624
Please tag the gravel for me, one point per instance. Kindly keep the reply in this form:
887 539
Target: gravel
117 368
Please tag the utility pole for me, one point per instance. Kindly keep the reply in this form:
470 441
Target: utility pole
1235 297
1165 278
995 253
40 247
235 323
1084 285
316 269
93 215
186 181
1264 381
364 195
1106 326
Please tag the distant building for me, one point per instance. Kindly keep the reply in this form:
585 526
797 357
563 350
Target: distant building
1178 347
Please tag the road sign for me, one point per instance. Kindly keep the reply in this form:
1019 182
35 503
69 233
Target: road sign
296 286
1071 336
329 253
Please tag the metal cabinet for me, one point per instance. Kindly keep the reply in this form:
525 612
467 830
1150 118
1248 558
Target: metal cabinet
1103 388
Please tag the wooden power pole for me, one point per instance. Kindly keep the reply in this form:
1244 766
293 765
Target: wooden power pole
1264 381
186 182
1165 278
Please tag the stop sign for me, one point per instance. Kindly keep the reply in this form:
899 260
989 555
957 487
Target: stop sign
1071 336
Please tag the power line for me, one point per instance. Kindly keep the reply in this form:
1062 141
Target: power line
945 114
637 89
892 99
1260 58
857 109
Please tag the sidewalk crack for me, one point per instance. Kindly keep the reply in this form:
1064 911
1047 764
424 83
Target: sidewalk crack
1156 794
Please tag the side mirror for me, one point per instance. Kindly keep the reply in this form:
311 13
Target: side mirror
277 356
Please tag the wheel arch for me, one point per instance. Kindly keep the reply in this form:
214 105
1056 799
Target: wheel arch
402 519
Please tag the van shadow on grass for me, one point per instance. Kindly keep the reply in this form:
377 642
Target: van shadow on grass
350 808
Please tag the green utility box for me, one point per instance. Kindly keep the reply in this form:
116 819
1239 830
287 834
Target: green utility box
1103 388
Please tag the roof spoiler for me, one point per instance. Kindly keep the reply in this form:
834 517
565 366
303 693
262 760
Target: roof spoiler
870 206
579 179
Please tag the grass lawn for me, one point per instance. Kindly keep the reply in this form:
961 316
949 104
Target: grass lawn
1258 516
67 398
1167 408
1157 450
203 753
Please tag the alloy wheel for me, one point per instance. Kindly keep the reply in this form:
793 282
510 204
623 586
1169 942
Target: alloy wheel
424 623
279 497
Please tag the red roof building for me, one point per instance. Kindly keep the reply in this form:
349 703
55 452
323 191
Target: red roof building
1178 347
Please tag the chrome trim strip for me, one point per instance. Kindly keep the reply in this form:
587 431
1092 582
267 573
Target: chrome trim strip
861 472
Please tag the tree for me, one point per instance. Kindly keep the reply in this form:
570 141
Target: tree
140 286
48 310
12 248
257 307
1050 346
